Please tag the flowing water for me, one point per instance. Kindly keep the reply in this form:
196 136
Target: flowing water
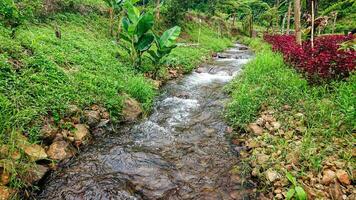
179 152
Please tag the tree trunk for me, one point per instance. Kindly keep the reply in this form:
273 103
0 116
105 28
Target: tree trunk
334 24
298 33
284 22
310 7
312 25
277 16
251 25
158 7
288 17
111 13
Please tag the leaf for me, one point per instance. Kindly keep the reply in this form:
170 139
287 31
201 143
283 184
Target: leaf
301 194
145 42
132 12
169 37
291 178
290 194
125 23
144 24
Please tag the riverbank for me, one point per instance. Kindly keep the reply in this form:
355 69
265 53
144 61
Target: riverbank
293 130
57 93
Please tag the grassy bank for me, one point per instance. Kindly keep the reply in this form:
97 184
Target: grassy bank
292 126
43 77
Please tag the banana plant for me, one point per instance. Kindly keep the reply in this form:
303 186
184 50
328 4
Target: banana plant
165 44
137 32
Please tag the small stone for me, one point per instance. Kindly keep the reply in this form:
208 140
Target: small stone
35 152
254 128
48 131
4 178
276 125
335 191
5 193
287 107
278 191
59 150
131 110
328 177
35 174
81 132
199 70
105 115
260 121
279 196
343 177
255 172
229 129
92 117
73 109
262 158
157 84
272 175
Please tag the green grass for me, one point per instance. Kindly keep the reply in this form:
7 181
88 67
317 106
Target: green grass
41 75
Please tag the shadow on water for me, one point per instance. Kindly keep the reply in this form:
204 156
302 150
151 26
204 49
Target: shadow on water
179 152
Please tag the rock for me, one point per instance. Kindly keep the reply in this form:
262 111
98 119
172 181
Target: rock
48 131
343 177
131 110
276 125
254 128
229 130
262 158
272 175
4 178
255 172
157 84
335 191
279 196
59 150
199 70
328 177
81 132
73 109
5 193
92 117
268 118
35 174
287 107
34 152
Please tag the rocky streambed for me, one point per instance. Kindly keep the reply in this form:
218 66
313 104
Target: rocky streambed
179 152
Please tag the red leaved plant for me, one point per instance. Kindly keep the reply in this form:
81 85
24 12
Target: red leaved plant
325 61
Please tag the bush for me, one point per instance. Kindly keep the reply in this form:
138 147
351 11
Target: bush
325 61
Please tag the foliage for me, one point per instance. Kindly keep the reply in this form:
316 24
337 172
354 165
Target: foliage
326 60
296 190
13 13
137 32
267 81
164 46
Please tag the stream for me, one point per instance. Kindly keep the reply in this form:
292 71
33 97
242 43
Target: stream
179 152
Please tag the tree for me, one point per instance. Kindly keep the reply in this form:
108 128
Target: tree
298 33
288 17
